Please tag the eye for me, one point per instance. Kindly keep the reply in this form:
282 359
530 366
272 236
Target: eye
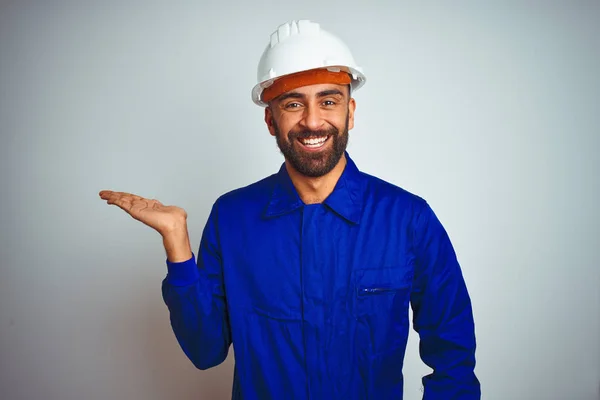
293 105
329 103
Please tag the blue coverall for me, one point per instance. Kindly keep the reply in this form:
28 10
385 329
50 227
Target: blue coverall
314 298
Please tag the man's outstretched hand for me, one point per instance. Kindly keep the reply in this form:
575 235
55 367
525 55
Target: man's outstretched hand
169 221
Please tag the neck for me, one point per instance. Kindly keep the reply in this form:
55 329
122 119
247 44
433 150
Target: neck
316 190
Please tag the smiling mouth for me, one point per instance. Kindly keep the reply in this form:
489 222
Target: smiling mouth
314 142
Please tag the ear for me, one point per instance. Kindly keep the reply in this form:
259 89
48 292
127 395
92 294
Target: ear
269 120
351 108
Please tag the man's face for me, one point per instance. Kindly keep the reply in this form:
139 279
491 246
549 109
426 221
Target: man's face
311 126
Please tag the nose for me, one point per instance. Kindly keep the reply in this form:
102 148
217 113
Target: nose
312 118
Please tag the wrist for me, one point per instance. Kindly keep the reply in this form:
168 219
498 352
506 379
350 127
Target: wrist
177 245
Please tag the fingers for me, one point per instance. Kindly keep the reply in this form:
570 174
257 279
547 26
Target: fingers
124 203
133 204
123 200
109 194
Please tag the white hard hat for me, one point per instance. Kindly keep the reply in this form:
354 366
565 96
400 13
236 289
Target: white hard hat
299 46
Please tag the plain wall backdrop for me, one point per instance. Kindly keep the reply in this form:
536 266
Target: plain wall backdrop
489 110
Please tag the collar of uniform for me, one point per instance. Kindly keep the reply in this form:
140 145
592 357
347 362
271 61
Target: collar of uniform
284 198
345 200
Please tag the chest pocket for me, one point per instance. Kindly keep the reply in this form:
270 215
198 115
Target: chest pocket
381 291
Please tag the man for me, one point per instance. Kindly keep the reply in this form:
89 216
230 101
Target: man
309 272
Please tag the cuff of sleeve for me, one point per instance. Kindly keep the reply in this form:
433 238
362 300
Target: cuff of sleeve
182 273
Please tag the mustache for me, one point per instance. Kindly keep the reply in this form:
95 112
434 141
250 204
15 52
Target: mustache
307 133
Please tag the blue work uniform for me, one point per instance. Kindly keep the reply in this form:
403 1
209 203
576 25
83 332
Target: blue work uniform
315 297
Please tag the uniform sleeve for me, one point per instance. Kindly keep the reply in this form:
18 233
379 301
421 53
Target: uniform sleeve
442 314
195 296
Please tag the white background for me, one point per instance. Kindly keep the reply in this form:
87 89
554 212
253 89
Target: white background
488 110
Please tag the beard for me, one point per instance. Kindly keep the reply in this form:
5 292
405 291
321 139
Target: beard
313 164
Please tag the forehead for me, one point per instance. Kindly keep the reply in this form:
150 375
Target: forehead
317 89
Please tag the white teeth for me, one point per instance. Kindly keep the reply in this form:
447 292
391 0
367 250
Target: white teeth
314 141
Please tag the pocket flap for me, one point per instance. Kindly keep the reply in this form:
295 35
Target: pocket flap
375 281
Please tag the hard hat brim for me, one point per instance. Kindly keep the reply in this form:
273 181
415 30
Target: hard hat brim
357 81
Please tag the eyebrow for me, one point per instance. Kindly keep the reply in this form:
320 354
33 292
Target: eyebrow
330 92
296 95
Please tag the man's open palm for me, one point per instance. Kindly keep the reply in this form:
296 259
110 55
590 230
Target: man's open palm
151 212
